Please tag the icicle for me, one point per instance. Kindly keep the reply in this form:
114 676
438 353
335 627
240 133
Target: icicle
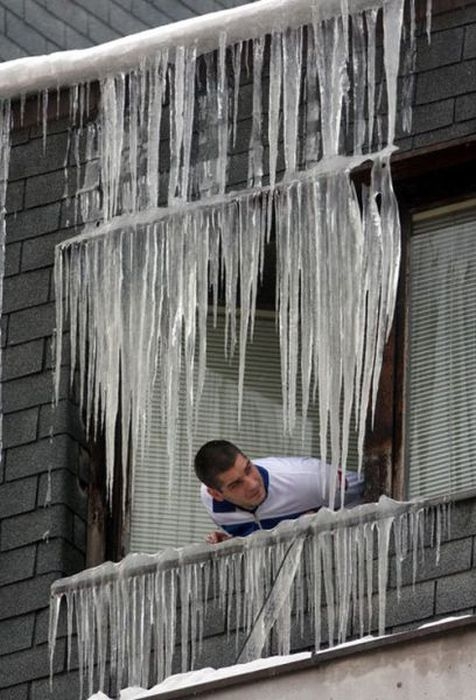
384 529
331 55
52 632
156 92
370 24
312 131
44 117
236 64
111 140
392 20
5 127
275 86
409 70
428 19
181 122
22 108
255 159
292 74
274 602
359 70
222 115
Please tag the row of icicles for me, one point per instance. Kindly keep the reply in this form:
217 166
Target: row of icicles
323 579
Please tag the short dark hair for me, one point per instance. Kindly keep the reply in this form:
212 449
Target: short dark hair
214 458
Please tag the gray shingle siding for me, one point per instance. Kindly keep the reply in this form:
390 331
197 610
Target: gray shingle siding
33 27
38 544
445 85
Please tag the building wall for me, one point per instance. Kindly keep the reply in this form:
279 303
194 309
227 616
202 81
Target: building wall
444 102
434 663
38 544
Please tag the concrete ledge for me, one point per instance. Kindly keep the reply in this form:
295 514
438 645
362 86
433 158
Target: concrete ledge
434 661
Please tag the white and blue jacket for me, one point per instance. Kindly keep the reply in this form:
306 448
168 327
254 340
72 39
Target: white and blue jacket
294 486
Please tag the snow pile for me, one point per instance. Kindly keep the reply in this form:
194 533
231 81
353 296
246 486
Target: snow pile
204 675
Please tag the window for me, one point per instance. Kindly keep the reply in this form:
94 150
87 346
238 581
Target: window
164 515
441 371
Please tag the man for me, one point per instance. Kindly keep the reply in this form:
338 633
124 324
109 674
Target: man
242 497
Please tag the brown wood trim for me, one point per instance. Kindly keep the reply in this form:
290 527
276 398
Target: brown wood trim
399 376
436 176
430 176
428 159
378 445
441 6
97 508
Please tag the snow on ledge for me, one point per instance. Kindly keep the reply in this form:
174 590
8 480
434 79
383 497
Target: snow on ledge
135 564
204 675
208 674
35 73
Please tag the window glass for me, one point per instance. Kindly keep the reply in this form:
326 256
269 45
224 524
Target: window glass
441 387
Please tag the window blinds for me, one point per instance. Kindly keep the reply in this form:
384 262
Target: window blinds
441 389
173 517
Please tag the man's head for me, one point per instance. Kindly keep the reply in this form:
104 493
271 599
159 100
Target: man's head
229 475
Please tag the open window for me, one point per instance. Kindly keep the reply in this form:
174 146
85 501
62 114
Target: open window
426 416
170 513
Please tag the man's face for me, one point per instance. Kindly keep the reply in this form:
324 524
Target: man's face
241 484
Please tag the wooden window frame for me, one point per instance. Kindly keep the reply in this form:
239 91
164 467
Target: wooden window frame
423 179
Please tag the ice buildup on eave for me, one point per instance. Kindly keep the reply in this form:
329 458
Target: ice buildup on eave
135 289
329 570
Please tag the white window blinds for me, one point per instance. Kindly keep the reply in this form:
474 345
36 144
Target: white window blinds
441 389
163 518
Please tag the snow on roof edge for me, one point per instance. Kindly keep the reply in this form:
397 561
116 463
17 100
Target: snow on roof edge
35 73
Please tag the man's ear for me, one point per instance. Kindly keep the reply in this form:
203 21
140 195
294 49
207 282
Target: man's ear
215 493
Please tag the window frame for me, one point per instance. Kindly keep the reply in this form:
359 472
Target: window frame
423 179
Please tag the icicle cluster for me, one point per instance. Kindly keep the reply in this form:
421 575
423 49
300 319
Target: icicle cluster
135 289
330 569
137 299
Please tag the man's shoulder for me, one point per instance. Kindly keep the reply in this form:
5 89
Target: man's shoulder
287 464
207 500
215 506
